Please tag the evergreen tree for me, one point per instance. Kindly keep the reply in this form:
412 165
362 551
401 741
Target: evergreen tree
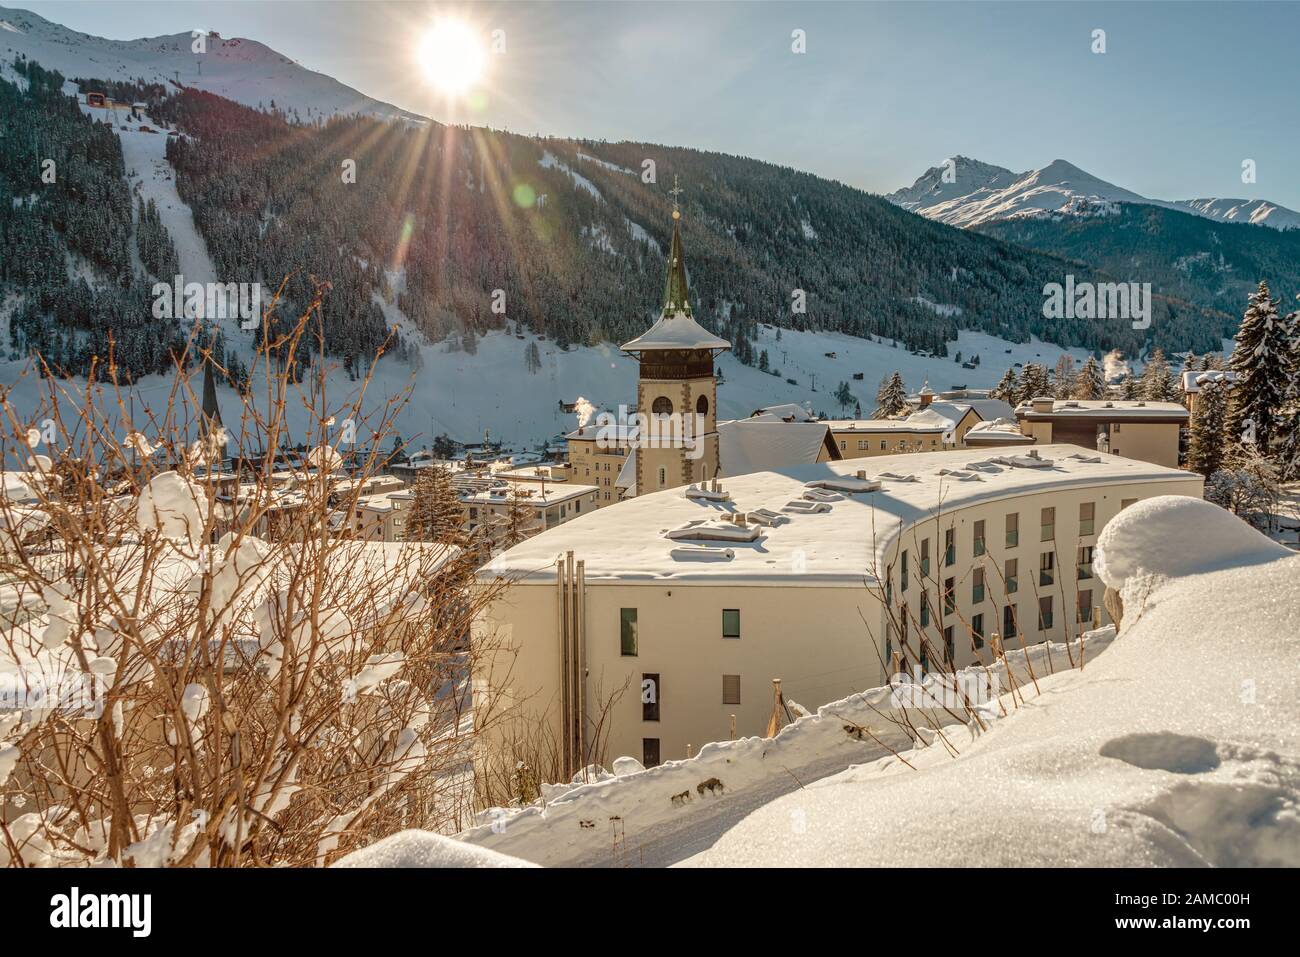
843 395
1089 385
1209 439
1157 383
436 514
1034 382
891 399
763 361
1288 439
1130 388
1261 359
1007 388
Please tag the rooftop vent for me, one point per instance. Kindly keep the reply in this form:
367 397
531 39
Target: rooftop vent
765 516
800 507
700 553
707 531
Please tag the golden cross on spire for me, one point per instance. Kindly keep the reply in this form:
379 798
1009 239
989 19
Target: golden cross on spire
675 192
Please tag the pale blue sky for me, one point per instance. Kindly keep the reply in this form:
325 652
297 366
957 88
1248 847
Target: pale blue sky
1184 93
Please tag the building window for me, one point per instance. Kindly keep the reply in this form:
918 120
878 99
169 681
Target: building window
977 630
977 586
1048 525
979 538
702 405
1045 613
1115 428
925 557
862 445
1085 562
731 623
1127 502
663 477
1087 516
1047 568
903 573
1009 621
949 649
925 609
627 630
949 596
882 445
1011 575
662 406
650 752
843 445
650 690
950 547
731 689
1013 530
1085 604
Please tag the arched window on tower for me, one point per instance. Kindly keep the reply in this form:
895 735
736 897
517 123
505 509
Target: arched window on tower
662 406
663 477
702 405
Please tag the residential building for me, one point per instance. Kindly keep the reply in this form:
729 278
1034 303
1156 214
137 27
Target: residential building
1134 429
668 617
598 455
1193 381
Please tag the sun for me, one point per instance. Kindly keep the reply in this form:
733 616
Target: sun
453 56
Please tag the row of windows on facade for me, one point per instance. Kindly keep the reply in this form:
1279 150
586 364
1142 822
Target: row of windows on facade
629 641
652 694
864 445
977 633
664 405
979 544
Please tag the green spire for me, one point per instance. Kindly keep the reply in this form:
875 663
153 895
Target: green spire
211 411
677 296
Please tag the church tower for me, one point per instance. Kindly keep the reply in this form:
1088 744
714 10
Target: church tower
677 391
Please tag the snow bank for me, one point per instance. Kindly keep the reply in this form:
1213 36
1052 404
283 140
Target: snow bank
1174 535
579 823
1178 747
424 849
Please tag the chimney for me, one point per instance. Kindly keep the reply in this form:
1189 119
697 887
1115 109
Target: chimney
1042 403
862 474
739 519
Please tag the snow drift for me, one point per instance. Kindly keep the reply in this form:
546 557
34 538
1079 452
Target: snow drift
1178 747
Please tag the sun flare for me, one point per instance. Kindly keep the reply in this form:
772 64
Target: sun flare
453 56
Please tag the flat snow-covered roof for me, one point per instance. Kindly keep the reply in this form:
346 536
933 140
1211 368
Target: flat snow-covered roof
1106 409
835 545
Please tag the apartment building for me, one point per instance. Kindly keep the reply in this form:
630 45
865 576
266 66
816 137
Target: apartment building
1134 429
488 509
924 431
598 456
667 618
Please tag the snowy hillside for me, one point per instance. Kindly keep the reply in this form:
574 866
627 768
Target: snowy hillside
982 192
1180 746
464 395
242 70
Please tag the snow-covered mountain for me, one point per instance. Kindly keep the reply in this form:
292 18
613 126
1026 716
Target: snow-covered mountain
242 70
981 193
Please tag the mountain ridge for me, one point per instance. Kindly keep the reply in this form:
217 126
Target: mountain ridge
240 69
984 192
